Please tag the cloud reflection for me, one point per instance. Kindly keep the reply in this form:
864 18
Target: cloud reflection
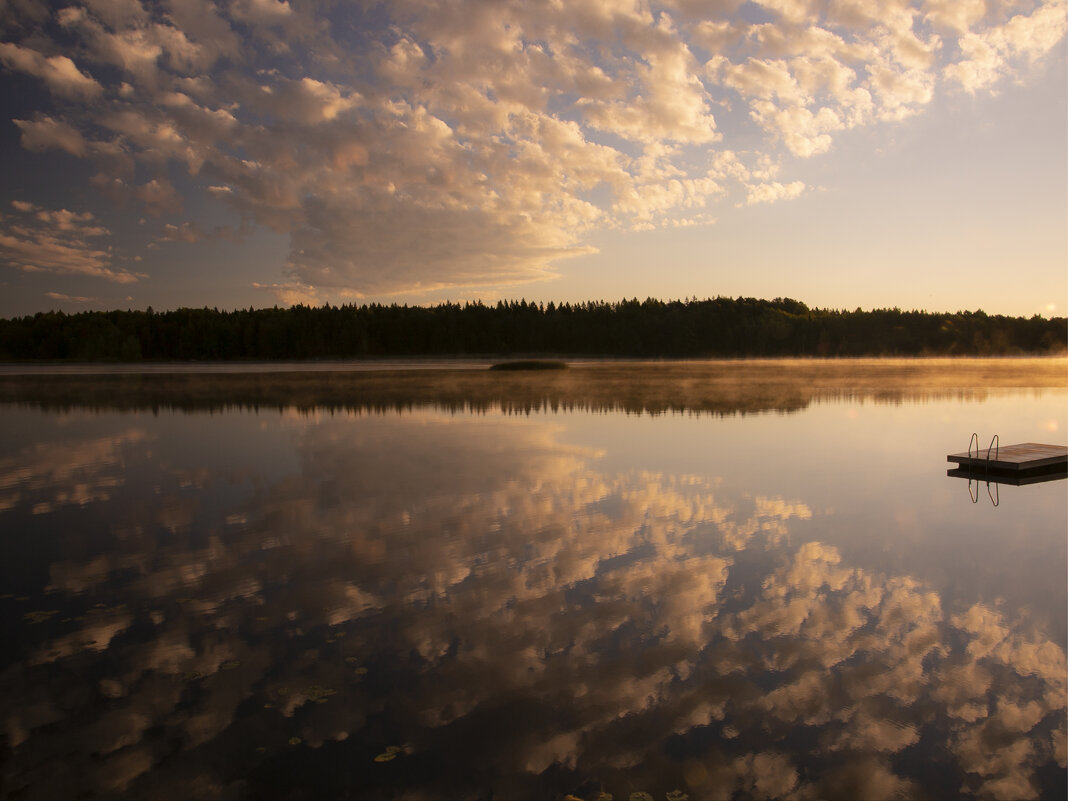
511 617
58 474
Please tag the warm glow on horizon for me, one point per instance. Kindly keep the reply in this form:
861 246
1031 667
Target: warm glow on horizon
247 153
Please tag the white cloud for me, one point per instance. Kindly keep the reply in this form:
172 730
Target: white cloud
71 222
668 102
202 22
159 197
118 13
957 15
764 79
382 248
59 73
791 11
46 133
306 101
773 191
57 241
900 94
292 293
135 49
186 232
471 144
69 298
261 11
991 54
805 133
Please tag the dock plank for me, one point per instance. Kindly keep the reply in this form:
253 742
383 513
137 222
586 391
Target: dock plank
1024 456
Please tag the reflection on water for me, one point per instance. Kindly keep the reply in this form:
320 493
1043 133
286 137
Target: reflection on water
438 604
710 387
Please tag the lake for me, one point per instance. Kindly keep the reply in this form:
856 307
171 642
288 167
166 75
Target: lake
628 581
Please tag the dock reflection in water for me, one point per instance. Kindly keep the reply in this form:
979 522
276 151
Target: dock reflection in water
443 604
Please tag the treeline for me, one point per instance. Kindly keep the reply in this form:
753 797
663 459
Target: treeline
720 327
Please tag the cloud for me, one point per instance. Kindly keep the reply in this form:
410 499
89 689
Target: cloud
770 192
292 294
144 50
765 79
407 247
186 232
59 73
46 133
159 197
900 93
56 241
957 15
472 144
990 54
262 11
69 298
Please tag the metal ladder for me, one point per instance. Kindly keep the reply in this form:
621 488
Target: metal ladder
995 443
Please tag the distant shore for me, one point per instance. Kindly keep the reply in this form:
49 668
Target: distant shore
650 329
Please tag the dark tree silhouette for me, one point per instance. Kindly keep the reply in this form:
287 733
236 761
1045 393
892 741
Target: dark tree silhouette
719 327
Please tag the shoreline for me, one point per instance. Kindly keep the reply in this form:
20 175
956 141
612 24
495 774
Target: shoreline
464 363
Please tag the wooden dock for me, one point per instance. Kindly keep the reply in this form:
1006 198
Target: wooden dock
1017 479
1013 459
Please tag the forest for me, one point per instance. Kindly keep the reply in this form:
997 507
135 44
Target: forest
711 328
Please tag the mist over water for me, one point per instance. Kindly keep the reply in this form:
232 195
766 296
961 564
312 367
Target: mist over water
664 584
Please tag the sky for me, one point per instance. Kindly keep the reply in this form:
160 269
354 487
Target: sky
846 153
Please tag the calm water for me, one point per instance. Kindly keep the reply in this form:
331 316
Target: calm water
782 598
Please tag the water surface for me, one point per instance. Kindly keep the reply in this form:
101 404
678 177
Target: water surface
703 581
